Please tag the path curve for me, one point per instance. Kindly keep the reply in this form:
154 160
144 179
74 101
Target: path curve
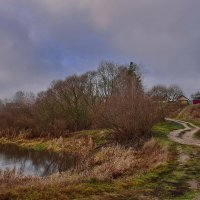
186 135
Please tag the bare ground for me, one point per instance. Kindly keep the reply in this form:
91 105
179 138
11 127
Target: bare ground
186 135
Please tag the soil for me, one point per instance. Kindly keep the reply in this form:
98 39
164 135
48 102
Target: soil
188 136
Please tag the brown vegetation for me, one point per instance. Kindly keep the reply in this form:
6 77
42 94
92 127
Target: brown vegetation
111 97
167 99
190 113
114 161
130 115
107 164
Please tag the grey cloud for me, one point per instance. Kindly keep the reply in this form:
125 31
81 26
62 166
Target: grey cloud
42 40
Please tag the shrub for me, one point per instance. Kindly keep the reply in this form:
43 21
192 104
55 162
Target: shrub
130 115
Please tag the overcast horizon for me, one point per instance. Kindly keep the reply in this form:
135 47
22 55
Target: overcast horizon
45 40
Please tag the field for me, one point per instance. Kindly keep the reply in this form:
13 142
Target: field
115 172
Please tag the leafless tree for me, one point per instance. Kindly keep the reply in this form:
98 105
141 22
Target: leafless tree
159 93
196 96
130 114
174 92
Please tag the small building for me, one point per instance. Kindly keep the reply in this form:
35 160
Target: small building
183 100
195 101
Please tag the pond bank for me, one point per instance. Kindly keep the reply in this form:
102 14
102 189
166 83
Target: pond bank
30 162
75 143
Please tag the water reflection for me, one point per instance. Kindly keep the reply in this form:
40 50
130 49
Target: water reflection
33 162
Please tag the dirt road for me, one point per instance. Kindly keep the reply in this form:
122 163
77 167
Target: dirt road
186 135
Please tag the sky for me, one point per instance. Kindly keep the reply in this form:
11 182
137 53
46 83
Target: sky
45 40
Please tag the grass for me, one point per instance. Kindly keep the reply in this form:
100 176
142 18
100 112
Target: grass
110 175
190 114
40 147
161 130
197 135
70 144
113 172
190 126
195 122
173 179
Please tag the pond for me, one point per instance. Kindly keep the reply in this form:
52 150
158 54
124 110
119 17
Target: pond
31 162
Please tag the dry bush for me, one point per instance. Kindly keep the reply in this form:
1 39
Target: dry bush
195 111
130 115
190 113
172 109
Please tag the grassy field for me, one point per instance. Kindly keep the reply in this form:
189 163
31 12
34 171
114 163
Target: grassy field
155 172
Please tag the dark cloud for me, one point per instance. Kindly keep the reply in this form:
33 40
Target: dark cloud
42 40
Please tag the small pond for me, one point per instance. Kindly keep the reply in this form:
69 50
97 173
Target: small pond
31 162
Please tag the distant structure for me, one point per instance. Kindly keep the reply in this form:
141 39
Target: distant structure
195 101
183 100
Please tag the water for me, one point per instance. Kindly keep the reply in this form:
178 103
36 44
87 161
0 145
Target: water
31 162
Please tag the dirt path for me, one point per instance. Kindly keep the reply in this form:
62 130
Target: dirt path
186 135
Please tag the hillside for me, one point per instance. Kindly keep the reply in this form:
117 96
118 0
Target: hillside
190 113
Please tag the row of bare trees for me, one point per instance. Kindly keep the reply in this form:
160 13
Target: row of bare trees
163 93
167 99
110 97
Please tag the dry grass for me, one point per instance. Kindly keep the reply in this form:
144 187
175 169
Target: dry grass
190 113
116 161
105 165
107 169
69 145
10 178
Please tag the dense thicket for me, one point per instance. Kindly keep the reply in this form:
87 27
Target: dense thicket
110 97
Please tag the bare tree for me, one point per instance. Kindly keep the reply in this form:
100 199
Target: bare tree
174 92
130 114
159 93
196 96
19 97
113 92
107 73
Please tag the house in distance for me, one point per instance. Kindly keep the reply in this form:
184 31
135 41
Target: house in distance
183 100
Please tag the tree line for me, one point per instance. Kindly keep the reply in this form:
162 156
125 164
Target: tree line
110 97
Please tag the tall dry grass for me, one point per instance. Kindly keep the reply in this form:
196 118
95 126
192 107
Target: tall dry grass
107 164
115 161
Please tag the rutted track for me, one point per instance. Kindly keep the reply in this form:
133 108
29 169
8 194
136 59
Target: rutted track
186 135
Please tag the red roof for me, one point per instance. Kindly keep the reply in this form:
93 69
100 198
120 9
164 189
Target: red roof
197 101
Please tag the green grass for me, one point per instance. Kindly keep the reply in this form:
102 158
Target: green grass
40 147
167 182
161 130
172 180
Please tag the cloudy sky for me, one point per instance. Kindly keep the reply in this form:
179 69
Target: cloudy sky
43 40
